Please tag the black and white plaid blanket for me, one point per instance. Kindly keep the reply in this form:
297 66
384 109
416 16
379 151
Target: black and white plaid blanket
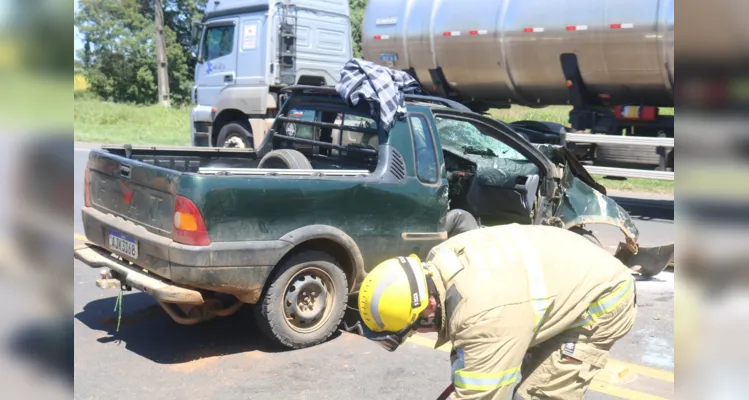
382 87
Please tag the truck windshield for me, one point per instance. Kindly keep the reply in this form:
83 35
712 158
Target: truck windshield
467 136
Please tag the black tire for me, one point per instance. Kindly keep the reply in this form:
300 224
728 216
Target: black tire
240 130
312 270
586 234
285 159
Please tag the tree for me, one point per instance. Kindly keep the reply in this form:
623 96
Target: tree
119 52
356 9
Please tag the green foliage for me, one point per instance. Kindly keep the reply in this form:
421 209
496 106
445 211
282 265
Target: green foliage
357 8
119 55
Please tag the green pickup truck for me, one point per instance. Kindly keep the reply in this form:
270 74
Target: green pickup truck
293 226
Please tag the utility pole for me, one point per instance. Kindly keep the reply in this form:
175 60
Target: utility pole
162 75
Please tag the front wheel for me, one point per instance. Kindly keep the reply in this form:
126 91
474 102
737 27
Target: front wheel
305 301
235 135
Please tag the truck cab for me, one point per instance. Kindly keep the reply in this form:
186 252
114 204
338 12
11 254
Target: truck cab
248 50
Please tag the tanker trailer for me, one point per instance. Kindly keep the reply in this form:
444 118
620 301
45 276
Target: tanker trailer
611 60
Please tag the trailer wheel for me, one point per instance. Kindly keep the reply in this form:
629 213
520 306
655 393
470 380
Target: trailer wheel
305 302
285 159
235 134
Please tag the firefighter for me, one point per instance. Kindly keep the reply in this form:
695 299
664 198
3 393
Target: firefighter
537 297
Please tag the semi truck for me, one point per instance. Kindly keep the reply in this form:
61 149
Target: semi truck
611 61
248 50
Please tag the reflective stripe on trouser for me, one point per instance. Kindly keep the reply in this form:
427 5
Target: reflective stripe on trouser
564 366
537 284
606 304
485 381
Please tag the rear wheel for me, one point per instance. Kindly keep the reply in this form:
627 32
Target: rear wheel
305 302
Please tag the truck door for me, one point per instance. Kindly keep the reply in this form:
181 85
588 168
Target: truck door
217 62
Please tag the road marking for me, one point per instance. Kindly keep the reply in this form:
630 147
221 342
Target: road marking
597 385
655 373
621 392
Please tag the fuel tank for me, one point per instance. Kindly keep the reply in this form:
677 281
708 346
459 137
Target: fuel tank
508 51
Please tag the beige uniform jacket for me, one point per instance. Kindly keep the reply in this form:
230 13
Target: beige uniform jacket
504 289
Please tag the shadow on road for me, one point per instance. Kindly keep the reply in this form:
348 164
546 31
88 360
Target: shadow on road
146 329
647 209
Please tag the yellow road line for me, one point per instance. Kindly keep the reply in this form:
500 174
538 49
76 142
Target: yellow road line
663 375
597 385
619 391
640 369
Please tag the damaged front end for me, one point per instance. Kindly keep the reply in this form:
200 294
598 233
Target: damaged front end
583 201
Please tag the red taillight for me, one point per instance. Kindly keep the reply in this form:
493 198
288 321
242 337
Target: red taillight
86 189
189 227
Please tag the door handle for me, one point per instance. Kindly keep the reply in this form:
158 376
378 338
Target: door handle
228 78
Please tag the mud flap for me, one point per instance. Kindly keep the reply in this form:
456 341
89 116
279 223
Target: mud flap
649 261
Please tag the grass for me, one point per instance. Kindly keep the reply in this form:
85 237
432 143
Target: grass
103 122
558 114
637 185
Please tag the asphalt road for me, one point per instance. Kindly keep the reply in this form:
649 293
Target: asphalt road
151 357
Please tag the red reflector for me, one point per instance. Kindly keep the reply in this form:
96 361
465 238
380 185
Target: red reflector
473 33
189 227
571 27
527 29
446 34
648 113
642 113
616 26
377 37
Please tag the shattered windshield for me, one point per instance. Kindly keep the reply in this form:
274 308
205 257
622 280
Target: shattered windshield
468 137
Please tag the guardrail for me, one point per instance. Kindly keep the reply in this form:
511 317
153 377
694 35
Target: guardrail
628 140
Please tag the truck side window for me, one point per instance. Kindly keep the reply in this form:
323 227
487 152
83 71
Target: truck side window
426 158
219 42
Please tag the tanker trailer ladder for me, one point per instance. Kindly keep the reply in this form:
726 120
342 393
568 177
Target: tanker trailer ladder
595 113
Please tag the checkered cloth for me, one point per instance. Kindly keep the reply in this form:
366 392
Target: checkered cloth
382 87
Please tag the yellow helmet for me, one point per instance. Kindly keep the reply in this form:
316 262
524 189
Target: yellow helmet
393 295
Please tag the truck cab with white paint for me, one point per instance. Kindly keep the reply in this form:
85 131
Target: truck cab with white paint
248 50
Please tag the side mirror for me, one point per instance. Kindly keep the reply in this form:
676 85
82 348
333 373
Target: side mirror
197 29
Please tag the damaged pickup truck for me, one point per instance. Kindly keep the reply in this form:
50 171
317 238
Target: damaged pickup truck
293 226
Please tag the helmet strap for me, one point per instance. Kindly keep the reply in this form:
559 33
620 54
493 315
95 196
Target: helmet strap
437 319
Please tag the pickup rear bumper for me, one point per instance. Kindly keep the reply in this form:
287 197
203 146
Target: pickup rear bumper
130 275
238 268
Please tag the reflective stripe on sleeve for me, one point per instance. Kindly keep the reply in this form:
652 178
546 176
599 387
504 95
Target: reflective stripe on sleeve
605 304
482 381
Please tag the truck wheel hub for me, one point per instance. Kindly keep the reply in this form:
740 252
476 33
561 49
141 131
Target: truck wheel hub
234 141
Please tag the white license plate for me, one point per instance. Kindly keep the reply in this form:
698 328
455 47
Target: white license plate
123 244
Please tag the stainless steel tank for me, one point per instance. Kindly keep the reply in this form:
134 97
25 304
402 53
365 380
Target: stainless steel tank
509 50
